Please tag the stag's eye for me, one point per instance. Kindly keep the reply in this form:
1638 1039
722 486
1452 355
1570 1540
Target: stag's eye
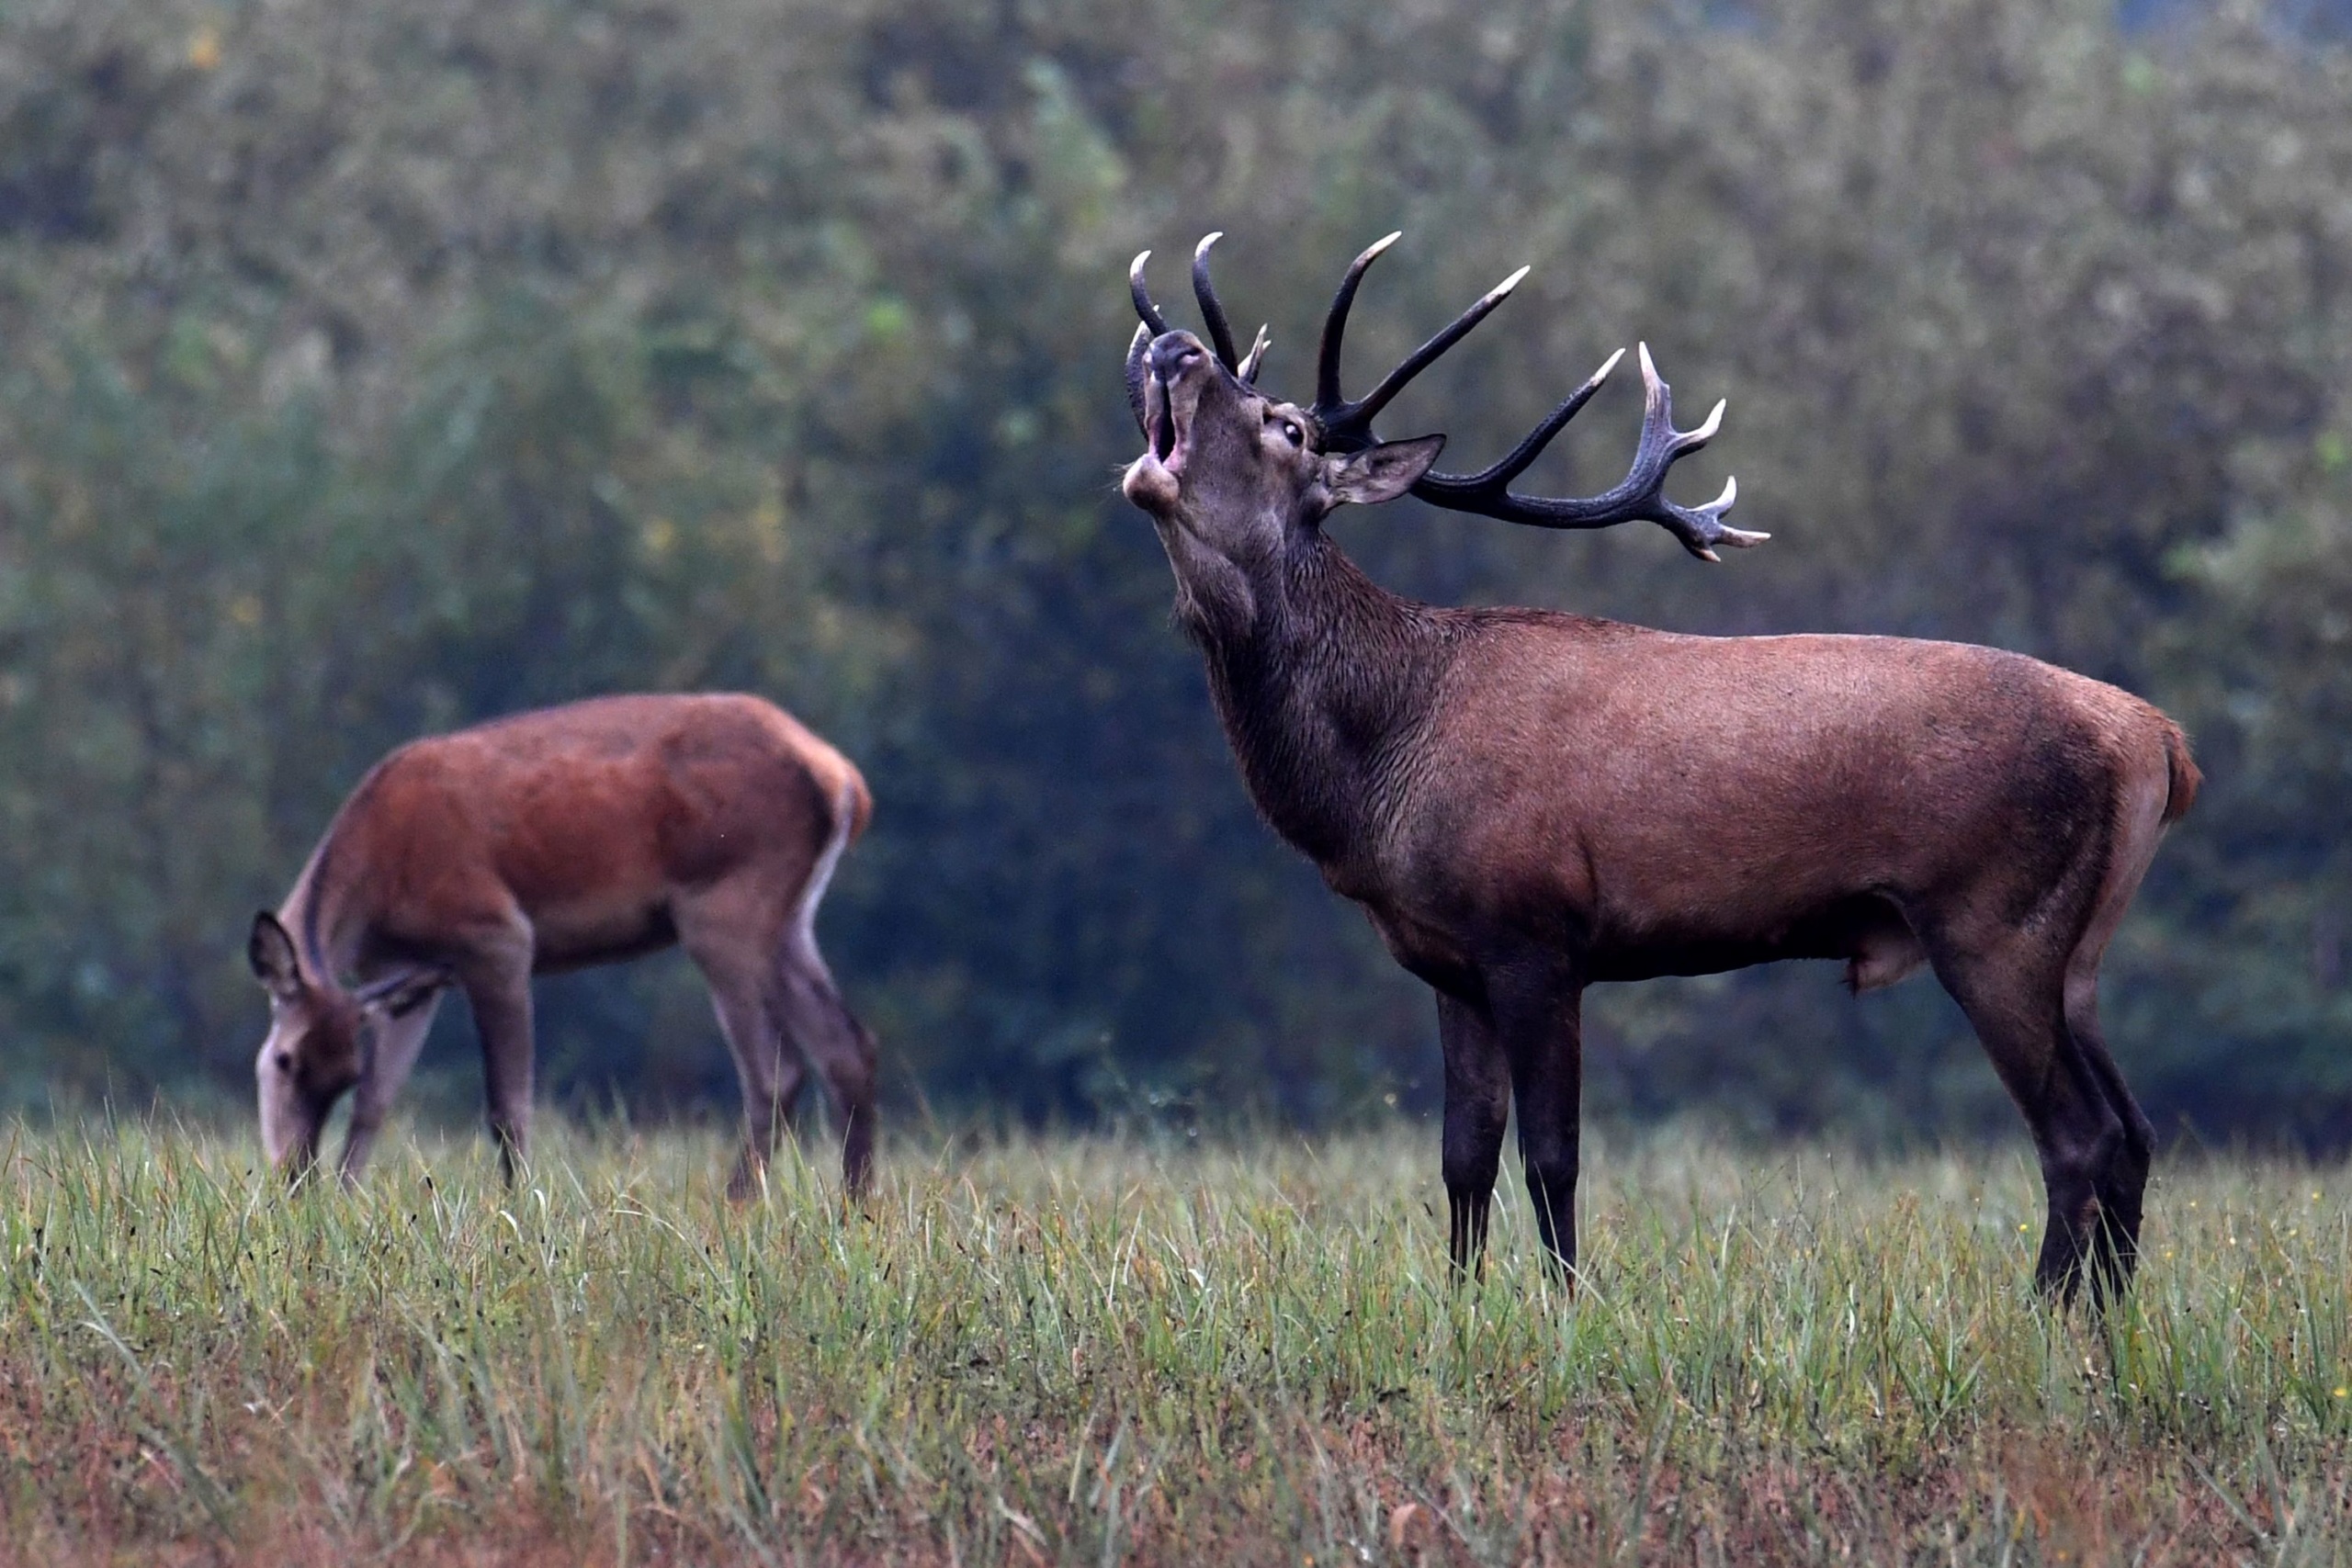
1297 436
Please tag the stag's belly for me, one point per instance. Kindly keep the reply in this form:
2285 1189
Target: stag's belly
1866 931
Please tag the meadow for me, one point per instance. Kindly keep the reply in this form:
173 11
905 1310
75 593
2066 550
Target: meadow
1071 1350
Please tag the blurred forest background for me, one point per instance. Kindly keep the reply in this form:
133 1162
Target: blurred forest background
373 368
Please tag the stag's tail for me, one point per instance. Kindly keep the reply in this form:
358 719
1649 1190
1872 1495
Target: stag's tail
2184 779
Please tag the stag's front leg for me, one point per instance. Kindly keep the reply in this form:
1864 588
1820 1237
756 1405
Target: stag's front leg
1477 1104
1546 1046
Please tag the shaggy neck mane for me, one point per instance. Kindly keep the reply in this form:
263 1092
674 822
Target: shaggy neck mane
1324 691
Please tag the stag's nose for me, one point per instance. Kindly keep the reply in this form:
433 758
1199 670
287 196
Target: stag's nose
1175 354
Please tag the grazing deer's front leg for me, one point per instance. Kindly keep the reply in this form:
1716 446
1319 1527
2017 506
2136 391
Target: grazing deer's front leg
498 987
1477 1104
398 1041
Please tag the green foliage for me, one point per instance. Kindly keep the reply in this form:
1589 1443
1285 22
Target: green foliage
374 369
1098 1351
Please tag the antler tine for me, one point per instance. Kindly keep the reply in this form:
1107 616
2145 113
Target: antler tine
1421 357
1142 296
1136 371
1328 396
1253 361
1531 447
1640 494
1211 312
1348 425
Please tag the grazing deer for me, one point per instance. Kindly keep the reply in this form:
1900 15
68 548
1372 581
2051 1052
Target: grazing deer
552 840
1525 803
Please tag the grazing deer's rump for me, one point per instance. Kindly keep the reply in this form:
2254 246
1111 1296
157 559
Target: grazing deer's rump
1525 801
551 840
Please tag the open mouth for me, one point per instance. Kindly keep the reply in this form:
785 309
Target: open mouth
1165 424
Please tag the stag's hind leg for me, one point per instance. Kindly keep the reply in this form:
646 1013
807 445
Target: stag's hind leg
2012 992
2123 1186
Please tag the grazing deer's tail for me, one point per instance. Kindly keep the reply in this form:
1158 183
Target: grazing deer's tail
861 804
847 814
2185 778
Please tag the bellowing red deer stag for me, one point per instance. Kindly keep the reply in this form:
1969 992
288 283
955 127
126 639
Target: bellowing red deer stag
1525 803
552 840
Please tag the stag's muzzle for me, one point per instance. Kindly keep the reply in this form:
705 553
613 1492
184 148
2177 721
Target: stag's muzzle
1176 366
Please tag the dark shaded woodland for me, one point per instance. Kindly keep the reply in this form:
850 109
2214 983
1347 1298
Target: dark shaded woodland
370 369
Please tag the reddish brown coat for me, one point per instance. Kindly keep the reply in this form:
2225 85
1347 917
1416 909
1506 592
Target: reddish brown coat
572 836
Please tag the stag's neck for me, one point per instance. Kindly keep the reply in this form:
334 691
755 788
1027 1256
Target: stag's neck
1325 689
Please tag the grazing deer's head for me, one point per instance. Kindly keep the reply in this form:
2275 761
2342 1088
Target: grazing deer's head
1230 475
318 1036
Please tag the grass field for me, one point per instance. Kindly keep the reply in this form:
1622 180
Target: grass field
1095 1352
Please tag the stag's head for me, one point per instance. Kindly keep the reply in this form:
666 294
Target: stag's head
318 1036
1230 475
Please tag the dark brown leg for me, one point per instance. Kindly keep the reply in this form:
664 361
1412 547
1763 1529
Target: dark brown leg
2122 1186
1477 1104
1547 1069
2014 1004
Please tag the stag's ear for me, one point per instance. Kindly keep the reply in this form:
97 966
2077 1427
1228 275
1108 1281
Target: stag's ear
405 992
1379 473
271 952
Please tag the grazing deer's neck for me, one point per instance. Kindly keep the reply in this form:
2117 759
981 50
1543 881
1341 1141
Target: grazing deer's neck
1325 687
320 912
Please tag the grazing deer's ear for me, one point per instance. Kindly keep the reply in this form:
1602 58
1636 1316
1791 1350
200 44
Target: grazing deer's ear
271 952
403 993
1379 473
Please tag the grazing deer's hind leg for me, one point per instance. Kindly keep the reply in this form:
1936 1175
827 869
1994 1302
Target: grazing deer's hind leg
730 933
835 1044
1477 1104
815 1018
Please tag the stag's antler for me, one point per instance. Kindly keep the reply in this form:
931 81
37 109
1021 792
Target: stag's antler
1244 367
1641 493
1347 426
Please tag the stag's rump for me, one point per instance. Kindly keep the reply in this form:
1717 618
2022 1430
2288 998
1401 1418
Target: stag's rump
1700 803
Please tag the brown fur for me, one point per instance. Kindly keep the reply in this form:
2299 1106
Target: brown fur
1525 803
550 840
